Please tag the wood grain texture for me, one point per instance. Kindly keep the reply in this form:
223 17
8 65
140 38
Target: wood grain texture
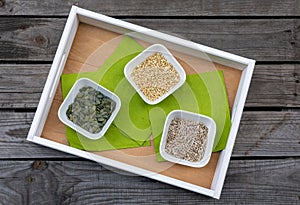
31 39
155 8
266 133
275 86
274 134
14 127
260 39
71 182
265 168
21 85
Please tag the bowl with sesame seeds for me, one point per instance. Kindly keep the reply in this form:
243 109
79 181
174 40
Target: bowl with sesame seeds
187 138
155 74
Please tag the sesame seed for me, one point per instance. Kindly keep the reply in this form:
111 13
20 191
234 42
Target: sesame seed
186 139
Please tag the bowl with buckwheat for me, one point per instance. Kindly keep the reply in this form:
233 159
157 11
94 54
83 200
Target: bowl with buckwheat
155 74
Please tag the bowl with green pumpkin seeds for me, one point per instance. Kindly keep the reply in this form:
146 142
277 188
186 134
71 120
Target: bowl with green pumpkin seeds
89 108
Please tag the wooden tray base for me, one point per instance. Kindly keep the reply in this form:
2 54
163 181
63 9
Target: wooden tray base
84 57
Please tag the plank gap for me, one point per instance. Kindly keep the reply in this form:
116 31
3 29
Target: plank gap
264 109
78 159
25 61
22 110
233 17
263 157
246 109
276 62
3 61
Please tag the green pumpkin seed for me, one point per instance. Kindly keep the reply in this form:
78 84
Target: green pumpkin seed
90 109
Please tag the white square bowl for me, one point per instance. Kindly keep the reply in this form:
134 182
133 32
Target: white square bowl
207 121
84 82
156 48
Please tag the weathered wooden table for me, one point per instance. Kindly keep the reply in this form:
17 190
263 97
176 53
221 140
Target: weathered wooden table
265 166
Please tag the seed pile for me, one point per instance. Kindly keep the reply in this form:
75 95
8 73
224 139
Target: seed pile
90 109
186 139
155 76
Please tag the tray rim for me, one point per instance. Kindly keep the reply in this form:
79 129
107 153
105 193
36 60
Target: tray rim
78 15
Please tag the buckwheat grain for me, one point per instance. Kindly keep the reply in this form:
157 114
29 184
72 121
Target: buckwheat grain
155 76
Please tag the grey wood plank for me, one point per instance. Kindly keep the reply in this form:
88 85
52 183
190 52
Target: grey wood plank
275 86
31 39
71 182
266 133
272 85
14 128
155 7
274 134
21 85
259 39
36 39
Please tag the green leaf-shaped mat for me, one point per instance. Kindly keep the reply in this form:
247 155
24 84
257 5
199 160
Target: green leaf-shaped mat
110 75
203 93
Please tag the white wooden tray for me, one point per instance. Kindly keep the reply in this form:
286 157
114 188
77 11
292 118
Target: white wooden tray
78 16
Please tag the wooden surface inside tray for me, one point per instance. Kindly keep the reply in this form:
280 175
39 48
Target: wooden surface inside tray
84 57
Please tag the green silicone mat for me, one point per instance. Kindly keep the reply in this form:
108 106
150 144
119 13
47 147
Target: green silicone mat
203 93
